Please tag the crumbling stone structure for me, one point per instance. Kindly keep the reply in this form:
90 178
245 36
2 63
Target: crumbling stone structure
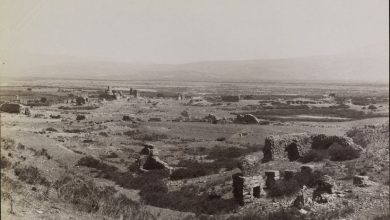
289 146
272 177
247 188
149 160
294 146
361 181
325 185
248 184
134 93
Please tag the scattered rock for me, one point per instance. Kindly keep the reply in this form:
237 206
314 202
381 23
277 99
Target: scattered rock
361 181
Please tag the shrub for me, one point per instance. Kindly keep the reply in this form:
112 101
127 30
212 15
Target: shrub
73 131
88 197
7 143
343 153
189 172
104 134
221 139
91 162
80 101
51 129
5 163
43 100
31 175
284 188
230 152
126 118
195 169
384 217
112 155
80 117
43 152
314 156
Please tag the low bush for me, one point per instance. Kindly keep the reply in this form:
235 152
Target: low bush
87 197
104 134
92 162
5 163
195 169
73 130
7 143
80 117
284 188
187 199
43 152
343 153
230 152
221 139
314 156
189 172
31 175
51 129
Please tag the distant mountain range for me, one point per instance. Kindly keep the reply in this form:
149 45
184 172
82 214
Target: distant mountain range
370 64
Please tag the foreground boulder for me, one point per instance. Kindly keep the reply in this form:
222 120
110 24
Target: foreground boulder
10 108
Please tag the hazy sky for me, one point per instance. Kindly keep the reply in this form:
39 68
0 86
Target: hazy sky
177 31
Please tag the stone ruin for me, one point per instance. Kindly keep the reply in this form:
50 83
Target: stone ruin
294 146
247 185
134 93
325 186
247 188
271 177
149 160
361 181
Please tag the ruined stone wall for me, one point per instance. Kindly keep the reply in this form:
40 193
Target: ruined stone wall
321 141
247 188
275 145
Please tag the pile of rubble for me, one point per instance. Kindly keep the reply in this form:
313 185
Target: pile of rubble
149 160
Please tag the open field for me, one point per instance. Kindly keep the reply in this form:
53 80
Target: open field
97 144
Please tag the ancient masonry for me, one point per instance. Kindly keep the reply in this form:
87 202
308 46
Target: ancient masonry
247 188
149 160
247 185
294 146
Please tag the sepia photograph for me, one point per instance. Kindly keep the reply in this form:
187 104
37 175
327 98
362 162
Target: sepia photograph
194 109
